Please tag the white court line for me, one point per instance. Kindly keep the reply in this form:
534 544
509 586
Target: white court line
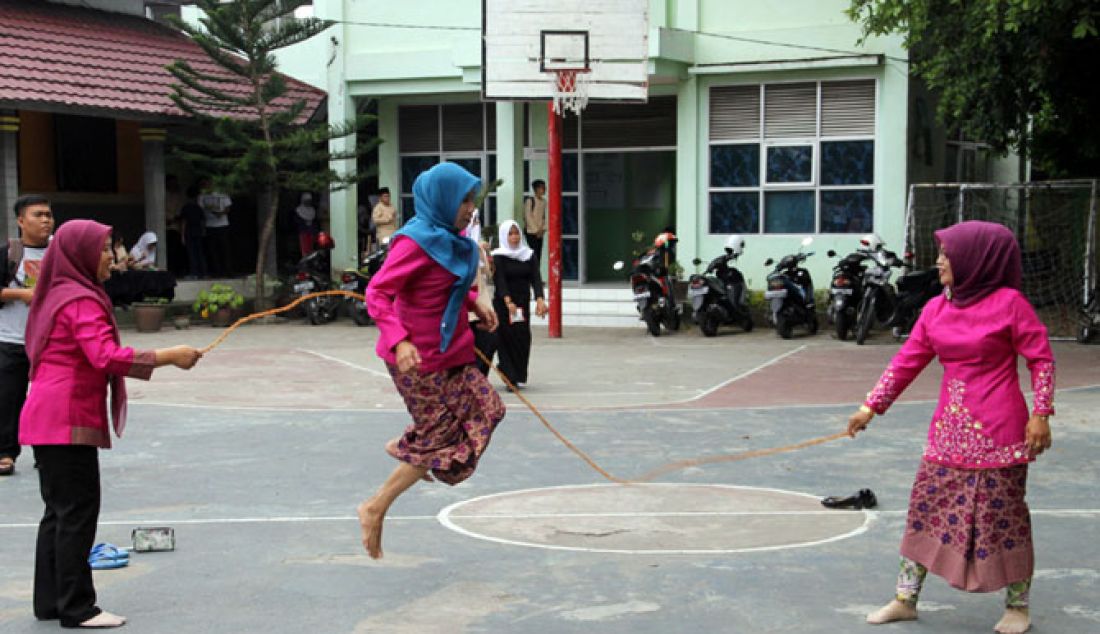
748 373
305 519
349 364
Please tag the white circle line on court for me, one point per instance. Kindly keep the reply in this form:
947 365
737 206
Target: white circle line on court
304 519
445 518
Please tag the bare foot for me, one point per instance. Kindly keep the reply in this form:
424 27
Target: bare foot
370 519
893 611
1014 621
103 620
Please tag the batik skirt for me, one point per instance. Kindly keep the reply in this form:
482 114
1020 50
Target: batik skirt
970 526
454 413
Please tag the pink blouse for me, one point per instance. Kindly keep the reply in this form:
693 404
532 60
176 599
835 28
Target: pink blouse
407 299
981 416
67 403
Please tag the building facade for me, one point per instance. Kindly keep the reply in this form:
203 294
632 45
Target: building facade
770 119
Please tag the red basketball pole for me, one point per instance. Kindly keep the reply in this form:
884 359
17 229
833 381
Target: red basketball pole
553 247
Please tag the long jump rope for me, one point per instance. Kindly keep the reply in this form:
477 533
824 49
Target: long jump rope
646 477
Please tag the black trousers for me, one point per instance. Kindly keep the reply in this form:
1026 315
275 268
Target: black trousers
535 242
513 341
68 476
219 250
14 374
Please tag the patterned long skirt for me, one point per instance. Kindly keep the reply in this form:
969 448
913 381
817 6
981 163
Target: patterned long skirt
970 526
454 413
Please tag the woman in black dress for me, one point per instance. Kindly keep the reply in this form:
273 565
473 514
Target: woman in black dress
516 274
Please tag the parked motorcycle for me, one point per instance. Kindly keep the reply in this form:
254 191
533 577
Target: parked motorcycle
845 292
720 299
652 284
791 293
879 299
915 289
356 281
314 274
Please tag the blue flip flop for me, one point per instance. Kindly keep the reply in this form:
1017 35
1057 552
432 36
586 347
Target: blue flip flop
108 557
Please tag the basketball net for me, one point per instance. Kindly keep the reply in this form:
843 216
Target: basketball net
570 90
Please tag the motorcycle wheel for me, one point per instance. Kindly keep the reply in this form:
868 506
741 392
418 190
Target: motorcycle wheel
812 324
315 313
710 321
842 325
673 321
783 326
359 315
747 325
651 322
864 318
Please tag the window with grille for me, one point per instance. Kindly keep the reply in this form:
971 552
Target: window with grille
792 157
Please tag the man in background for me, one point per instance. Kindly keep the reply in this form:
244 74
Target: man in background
21 264
216 206
534 217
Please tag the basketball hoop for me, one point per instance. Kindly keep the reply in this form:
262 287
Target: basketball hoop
570 89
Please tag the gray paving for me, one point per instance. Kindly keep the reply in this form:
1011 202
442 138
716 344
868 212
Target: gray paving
262 502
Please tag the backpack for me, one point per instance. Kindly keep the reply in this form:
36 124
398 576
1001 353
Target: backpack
13 255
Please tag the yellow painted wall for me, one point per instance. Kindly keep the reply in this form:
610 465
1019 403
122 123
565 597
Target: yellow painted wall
37 170
131 178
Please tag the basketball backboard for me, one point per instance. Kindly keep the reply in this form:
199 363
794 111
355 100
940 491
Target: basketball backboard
526 43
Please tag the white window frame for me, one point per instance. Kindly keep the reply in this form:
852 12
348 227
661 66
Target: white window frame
815 182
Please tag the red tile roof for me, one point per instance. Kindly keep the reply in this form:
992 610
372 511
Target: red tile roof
57 55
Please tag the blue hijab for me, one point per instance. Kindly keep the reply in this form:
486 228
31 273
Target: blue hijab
437 193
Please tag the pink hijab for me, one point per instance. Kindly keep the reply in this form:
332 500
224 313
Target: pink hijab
984 256
70 272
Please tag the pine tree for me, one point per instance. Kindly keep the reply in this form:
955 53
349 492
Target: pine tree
260 141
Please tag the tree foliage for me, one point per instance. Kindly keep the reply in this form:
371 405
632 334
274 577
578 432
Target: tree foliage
259 140
1017 74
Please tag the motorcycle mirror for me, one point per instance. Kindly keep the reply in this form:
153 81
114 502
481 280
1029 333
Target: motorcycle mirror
769 262
696 261
807 241
618 265
831 253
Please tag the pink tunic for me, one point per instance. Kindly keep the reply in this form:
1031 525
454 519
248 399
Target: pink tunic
407 299
67 404
981 417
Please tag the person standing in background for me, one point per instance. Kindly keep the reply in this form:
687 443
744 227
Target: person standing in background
176 256
21 263
193 221
216 206
305 220
384 216
534 218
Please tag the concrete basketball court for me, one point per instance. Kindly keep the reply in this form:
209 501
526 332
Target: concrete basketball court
258 457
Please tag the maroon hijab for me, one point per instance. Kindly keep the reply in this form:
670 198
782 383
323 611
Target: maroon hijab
70 272
984 256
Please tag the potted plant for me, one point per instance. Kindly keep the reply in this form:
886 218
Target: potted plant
218 304
149 313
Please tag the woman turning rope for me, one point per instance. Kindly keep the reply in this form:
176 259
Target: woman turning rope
73 345
968 521
419 299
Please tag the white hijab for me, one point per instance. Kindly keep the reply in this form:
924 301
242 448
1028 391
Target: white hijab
305 209
141 253
522 252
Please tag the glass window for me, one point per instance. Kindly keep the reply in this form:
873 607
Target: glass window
471 165
790 163
407 211
570 225
735 212
489 218
570 258
411 166
735 165
570 180
789 212
847 162
847 211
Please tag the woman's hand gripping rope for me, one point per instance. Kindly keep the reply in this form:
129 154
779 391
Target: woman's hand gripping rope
489 322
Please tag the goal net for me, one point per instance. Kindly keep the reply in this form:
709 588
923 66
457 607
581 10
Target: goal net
1055 223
